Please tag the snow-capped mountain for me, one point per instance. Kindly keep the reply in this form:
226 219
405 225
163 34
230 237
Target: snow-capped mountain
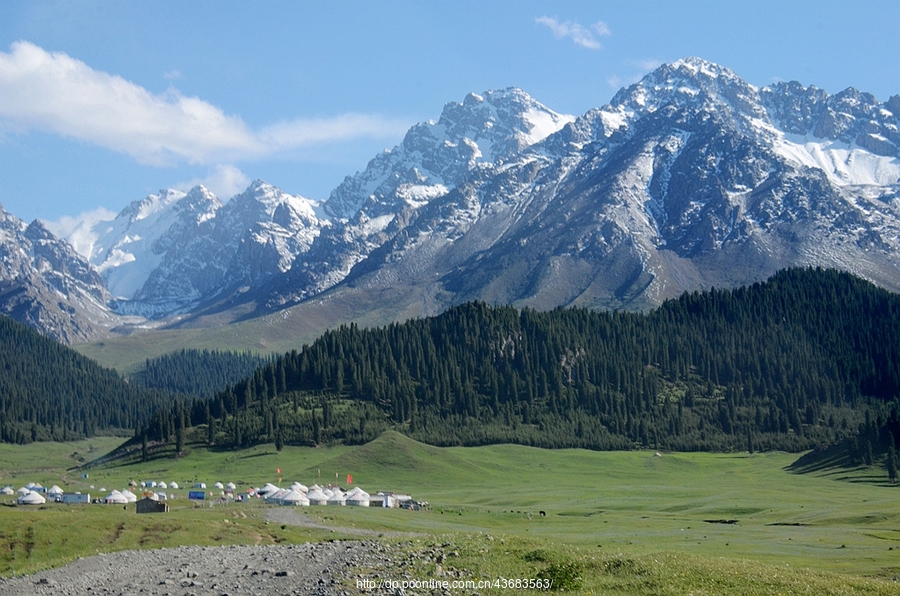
170 253
688 179
127 250
46 284
374 205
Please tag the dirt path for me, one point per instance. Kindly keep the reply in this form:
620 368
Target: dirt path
327 569
290 516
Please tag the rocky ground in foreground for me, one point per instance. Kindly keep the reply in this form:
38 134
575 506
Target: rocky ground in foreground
327 569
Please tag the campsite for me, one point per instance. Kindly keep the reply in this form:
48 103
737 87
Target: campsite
677 519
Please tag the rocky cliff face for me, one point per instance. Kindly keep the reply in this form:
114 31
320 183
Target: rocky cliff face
46 284
688 179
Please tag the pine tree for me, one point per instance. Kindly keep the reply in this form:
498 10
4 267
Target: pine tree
891 462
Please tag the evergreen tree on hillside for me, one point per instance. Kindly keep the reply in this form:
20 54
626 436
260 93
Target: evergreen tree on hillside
790 364
50 392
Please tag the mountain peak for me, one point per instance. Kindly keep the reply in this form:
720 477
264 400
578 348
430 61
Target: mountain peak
482 130
690 82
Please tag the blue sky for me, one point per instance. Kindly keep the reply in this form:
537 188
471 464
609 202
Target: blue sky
102 103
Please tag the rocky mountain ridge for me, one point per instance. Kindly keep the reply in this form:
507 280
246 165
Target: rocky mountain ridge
688 179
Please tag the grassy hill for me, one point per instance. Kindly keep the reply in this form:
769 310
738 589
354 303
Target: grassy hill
806 359
632 522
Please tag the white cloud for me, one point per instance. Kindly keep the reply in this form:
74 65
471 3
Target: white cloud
304 132
79 230
584 36
55 93
646 65
224 181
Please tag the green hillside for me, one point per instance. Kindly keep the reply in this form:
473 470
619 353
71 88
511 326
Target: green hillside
50 392
635 522
807 359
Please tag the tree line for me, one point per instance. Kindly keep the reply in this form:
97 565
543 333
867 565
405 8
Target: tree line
199 373
807 358
49 392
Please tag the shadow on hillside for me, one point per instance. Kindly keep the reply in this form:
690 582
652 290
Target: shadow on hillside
834 462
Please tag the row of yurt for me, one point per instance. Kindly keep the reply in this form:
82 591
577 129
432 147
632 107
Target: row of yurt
116 497
298 494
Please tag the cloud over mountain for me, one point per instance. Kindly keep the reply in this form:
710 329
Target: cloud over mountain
55 93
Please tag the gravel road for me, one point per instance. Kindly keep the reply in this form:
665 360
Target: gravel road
328 569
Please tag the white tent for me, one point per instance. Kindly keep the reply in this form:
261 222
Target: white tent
32 498
231 486
316 497
299 487
199 485
218 485
7 490
268 489
358 498
337 498
115 498
173 485
23 490
275 497
54 490
162 485
294 497
129 496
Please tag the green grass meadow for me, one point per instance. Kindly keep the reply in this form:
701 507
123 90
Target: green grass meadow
616 522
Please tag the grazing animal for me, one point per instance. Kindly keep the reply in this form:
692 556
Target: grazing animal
543 513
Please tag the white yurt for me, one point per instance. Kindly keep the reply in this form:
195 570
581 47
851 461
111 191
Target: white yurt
160 496
294 497
218 485
315 487
231 486
115 498
162 486
299 487
357 498
32 498
276 496
129 496
337 498
23 491
328 492
54 490
267 490
7 490
199 485
173 485
317 497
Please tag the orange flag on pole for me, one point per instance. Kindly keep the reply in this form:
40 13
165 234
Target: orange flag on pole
349 479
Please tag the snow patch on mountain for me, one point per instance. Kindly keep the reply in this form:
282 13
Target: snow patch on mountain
128 249
844 164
